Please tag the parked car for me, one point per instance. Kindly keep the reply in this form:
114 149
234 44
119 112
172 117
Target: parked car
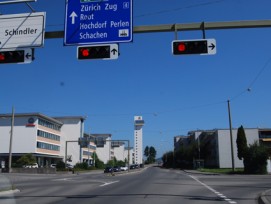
108 169
116 169
123 168
132 166
35 165
69 166
53 165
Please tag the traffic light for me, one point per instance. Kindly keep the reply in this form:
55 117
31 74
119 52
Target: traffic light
190 47
106 51
17 56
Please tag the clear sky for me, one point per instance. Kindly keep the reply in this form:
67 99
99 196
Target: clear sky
174 94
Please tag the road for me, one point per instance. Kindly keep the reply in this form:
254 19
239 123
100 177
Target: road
152 185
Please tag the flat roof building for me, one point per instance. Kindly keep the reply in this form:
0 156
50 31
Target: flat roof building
43 136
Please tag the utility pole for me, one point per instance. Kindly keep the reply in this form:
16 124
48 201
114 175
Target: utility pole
10 142
232 152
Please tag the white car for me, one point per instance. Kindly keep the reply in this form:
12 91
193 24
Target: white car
53 165
35 165
124 168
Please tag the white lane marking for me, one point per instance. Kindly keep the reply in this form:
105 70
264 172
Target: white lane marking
105 184
213 190
62 179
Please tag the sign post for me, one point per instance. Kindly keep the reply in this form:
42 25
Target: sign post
98 21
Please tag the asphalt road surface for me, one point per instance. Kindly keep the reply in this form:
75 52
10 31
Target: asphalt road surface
151 185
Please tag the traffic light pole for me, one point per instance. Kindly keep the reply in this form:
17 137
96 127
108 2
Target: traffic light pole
185 27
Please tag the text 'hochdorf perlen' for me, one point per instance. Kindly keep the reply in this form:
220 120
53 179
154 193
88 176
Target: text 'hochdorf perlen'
100 25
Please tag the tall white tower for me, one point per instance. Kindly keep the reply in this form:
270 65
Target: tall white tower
138 139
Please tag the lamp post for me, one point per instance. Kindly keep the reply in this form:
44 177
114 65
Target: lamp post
10 142
232 152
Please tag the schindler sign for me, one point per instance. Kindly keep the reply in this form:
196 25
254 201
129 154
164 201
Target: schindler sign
22 30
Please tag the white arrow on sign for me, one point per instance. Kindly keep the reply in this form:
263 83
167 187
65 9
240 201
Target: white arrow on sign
73 16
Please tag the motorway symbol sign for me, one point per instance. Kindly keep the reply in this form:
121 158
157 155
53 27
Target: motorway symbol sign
22 30
98 21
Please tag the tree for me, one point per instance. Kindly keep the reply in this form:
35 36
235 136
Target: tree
241 142
152 154
27 159
255 160
146 151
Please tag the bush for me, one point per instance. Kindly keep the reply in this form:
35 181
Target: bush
255 160
60 166
81 166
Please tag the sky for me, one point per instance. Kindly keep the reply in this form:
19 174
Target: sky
173 94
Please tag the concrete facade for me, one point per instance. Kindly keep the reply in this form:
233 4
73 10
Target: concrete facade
214 146
43 136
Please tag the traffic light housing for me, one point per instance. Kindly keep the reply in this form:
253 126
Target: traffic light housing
105 51
186 47
16 56
20 55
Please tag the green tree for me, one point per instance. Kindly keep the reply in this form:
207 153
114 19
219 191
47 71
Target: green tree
146 152
26 159
98 163
241 142
255 160
152 154
167 159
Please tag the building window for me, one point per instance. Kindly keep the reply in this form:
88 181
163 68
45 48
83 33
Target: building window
48 124
43 145
48 135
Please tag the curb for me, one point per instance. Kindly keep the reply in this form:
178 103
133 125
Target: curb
9 192
262 198
198 172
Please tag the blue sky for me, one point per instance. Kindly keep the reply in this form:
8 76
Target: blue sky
174 94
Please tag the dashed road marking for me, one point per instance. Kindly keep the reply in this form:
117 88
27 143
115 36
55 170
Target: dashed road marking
214 191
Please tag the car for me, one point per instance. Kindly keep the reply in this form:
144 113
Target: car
35 165
132 166
123 168
53 165
69 166
116 169
108 169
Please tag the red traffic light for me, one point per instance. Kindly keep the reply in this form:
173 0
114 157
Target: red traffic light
93 52
16 56
190 47
181 47
2 57
85 52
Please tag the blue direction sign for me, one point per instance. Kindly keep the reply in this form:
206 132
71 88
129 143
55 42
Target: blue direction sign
98 21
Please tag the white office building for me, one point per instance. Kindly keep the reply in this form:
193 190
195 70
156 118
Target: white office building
138 139
43 136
